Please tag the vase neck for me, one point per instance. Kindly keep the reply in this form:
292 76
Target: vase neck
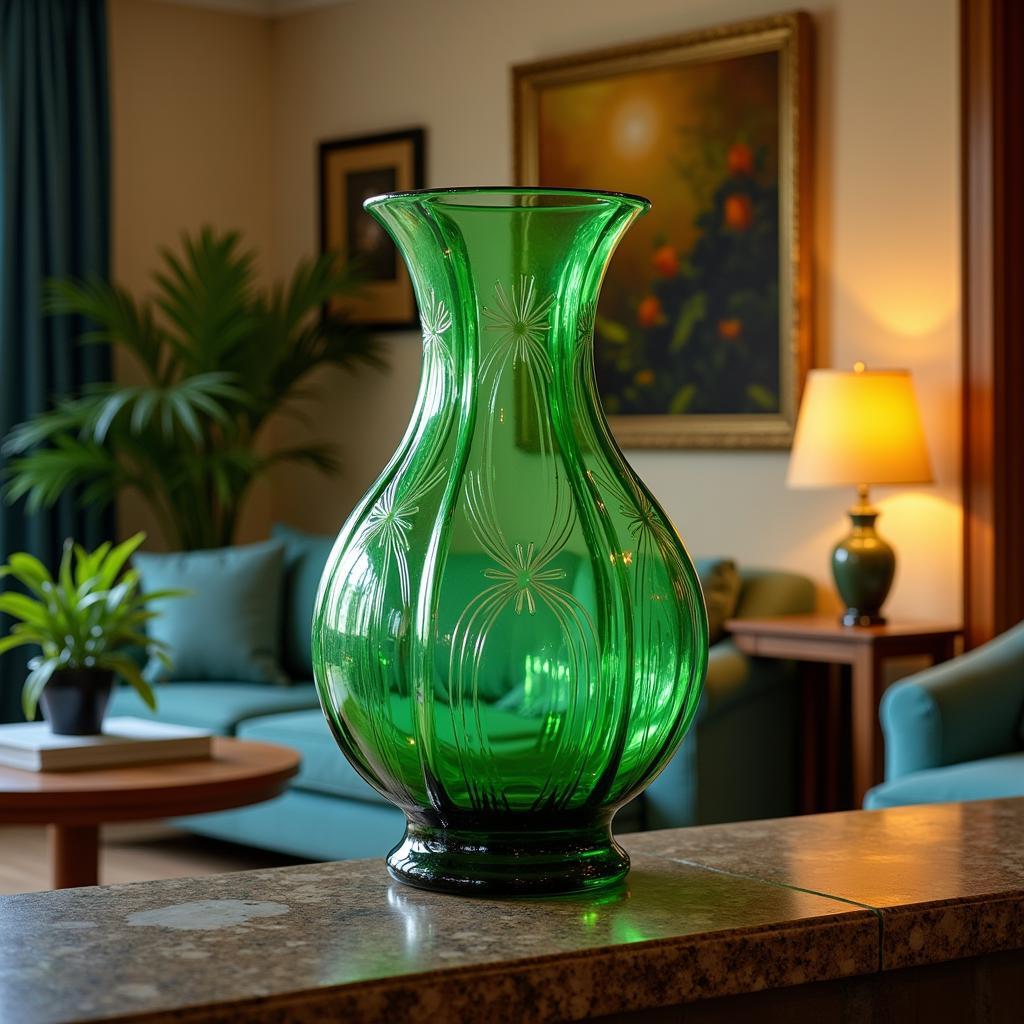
506 277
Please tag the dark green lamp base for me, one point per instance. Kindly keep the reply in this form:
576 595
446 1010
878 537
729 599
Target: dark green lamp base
863 565
513 863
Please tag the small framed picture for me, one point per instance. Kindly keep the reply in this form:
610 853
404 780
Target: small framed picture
351 171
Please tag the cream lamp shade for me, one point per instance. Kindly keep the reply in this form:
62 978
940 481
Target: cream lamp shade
858 427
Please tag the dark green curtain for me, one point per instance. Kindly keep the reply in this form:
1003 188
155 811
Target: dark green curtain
54 221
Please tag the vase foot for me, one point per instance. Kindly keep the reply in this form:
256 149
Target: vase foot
522 863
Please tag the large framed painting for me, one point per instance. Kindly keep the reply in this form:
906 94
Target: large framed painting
703 332
351 171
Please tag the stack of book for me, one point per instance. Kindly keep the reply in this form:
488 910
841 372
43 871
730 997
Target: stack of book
32 747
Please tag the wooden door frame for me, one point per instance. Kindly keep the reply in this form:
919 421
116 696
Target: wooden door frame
992 208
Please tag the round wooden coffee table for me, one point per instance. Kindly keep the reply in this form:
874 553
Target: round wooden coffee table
75 804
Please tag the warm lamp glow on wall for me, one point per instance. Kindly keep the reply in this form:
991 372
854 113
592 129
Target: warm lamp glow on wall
856 429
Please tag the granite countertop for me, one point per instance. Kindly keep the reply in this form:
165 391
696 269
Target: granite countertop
705 912
946 879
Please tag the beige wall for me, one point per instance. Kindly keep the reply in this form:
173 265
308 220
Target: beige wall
886 245
191 146
216 120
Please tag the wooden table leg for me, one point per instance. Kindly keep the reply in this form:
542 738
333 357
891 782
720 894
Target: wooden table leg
835 780
943 650
74 855
868 745
810 735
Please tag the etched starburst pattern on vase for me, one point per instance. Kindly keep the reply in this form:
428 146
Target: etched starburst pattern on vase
436 321
642 518
586 320
521 574
522 578
520 319
391 519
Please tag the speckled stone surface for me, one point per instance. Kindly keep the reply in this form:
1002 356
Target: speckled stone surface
706 912
947 879
342 942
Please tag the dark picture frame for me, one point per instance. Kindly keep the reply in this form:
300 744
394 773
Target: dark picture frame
687 355
351 170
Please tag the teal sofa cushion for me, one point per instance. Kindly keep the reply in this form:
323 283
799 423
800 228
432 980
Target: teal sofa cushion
306 824
325 769
720 581
228 627
217 706
305 556
989 778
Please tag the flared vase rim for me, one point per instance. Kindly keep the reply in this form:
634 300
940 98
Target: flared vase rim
597 196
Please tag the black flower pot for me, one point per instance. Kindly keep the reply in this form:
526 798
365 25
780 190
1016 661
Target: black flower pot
75 700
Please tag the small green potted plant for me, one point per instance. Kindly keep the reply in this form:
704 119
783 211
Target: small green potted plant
86 623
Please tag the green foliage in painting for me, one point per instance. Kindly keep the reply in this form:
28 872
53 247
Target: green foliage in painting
704 335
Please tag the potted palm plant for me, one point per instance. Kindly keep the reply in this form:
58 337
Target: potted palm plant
86 622
215 358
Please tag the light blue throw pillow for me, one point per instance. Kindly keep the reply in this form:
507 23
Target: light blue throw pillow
305 556
228 628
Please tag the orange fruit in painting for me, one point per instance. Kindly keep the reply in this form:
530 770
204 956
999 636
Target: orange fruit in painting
738 212
740 159
731 329
649 313
666 261
644 378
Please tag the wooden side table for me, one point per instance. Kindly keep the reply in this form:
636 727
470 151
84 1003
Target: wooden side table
75 804
820 638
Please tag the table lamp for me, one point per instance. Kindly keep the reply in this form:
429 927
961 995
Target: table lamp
856 429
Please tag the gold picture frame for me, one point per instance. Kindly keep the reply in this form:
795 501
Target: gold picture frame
352 170
563 109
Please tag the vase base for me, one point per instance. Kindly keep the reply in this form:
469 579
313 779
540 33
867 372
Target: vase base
523 863
855 617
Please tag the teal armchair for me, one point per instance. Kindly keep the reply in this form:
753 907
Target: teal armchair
954 732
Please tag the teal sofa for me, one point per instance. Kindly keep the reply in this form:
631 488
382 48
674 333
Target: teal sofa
739 759
955 732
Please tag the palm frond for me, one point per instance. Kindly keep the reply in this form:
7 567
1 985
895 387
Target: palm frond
118 319
68 416
322 456
346 346
220 356
44 474
297 335
207 296
314 283
182 406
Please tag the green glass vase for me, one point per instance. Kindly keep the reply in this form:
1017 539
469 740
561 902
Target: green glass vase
510 639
